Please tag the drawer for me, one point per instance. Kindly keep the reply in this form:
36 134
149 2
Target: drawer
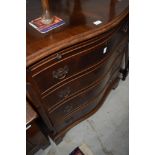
76 102
73 87
69 67
54 97
70 88
68 121
114 73
79 114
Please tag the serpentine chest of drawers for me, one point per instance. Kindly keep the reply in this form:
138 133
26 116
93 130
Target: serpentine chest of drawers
72 69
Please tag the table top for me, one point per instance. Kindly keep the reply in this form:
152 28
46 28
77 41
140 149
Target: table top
79 17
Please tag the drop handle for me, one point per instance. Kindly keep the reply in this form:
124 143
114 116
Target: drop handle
68 108
64 93
60 73
58 56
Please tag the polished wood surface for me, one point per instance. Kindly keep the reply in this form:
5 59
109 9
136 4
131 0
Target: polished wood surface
72 121
78 16
30 113
71 69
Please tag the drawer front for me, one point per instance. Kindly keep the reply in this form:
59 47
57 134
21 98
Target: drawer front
65 121
61 71
79 114
81 99
76 85
75 117
73 87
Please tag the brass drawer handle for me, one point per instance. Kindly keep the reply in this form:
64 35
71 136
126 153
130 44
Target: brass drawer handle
60 73
68 108
64 93
58 56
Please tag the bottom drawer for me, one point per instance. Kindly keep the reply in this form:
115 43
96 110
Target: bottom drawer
81 99
86 109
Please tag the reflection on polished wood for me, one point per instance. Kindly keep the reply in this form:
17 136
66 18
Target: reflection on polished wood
72 69
78 16
112 9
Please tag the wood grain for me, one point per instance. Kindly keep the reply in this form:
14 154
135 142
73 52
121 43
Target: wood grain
76 28
68 74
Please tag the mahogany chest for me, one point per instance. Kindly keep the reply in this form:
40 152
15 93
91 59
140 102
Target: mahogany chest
72 69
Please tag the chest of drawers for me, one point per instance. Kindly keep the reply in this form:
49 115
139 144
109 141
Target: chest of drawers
71 70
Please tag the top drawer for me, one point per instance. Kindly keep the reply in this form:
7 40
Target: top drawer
48 76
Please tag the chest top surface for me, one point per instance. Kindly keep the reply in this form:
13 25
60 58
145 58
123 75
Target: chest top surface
79 17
